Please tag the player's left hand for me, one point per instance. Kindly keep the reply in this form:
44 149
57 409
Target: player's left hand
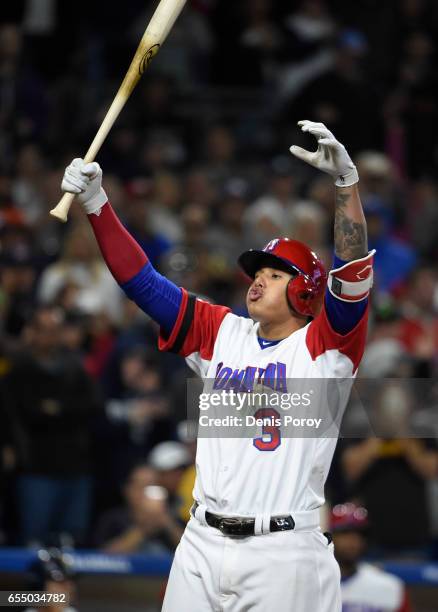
331 156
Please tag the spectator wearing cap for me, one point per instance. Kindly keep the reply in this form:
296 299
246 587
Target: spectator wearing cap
170 460
363 586
145 523
269 215
377 176
53 573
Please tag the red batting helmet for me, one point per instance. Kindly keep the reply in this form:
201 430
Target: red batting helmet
305 289
348 517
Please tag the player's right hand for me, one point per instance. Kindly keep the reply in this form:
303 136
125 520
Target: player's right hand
85 181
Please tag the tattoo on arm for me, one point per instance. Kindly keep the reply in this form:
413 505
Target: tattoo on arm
350 236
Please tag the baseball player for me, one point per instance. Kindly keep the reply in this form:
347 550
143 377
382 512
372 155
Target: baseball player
254 541
364 587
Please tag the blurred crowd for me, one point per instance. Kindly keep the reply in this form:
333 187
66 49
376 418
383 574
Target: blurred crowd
95 449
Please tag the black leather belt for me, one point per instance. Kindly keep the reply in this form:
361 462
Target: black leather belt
243 525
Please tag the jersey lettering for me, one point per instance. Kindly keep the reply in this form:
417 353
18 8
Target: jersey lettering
243 380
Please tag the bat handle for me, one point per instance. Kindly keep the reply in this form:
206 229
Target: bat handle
61 209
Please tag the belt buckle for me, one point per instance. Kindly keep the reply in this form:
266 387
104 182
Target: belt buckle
283 523
227 525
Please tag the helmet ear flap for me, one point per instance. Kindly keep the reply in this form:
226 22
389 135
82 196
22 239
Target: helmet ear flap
300 292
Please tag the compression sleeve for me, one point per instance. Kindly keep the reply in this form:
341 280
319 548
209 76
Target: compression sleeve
156 295
153 293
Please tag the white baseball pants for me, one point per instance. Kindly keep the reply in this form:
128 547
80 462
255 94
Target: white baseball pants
286 571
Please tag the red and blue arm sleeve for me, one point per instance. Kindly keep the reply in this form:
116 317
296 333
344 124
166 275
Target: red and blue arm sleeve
342 323
153 293
343 316
156 295
188 325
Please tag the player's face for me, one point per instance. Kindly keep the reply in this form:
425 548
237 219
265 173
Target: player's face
266 297
349 546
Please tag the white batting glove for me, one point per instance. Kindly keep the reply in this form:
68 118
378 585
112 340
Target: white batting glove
330 156
85 181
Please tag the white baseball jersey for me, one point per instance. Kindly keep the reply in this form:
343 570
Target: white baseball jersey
268 474
372 590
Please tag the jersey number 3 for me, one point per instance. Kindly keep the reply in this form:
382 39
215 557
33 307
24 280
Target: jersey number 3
271 434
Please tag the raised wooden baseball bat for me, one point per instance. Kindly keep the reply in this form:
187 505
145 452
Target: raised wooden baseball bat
159 27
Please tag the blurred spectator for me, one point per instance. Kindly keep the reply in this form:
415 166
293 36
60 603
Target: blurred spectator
219 155
17 278
9 213
228 237
162 212
424 218
81 268
27 187
145 523
363 586
170 460
377 177
308 223
136 419
419 332
381 189
389 474
187 434
53 573
49 417
194 262
382 357
136 218
400 345
270 214
395 259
